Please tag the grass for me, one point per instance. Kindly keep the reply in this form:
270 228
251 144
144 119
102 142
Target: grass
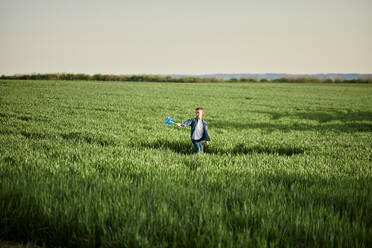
91 164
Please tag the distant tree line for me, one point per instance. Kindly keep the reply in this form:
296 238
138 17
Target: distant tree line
185 79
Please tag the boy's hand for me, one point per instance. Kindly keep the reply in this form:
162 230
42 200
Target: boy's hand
178 124
206 143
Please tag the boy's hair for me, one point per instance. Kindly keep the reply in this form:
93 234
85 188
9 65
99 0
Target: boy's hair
199 108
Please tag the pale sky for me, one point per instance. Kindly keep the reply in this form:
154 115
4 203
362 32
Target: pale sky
185 37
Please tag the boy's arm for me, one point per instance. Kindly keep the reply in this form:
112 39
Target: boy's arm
206 134
185 123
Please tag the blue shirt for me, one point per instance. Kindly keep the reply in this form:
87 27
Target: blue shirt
193 122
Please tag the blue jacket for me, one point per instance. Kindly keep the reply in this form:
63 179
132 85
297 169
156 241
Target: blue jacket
192 122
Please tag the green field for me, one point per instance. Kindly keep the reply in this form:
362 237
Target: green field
91 164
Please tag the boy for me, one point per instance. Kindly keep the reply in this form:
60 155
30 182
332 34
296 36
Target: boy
199 130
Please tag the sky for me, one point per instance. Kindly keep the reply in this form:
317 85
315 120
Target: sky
185 37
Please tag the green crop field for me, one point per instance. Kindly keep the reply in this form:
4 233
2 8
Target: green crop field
92 164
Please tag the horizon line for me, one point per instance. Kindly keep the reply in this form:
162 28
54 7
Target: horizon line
198 74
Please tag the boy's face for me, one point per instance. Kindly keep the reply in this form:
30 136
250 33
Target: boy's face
199 114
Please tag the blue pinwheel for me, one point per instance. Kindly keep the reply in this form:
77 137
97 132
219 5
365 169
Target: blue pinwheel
169 121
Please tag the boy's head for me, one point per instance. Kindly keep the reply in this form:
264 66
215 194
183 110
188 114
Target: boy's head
199 113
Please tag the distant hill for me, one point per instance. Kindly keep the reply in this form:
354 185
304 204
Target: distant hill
270 76
195 78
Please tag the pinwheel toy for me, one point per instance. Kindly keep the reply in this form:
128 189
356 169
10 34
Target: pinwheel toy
169 121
